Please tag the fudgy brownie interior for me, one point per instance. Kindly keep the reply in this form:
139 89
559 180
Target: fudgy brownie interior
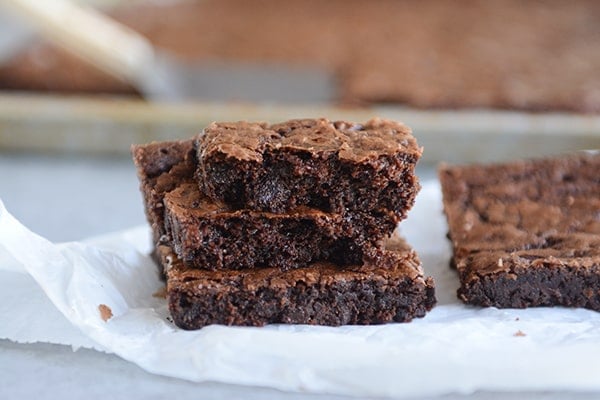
212 235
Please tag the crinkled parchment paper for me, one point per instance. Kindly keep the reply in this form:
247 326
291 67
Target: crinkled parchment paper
52 293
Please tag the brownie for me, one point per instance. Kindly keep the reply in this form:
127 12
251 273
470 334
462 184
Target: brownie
331 166
161 167
526 233
322 293
208 234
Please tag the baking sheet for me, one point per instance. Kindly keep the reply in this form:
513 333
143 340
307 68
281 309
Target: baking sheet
104 125
455 348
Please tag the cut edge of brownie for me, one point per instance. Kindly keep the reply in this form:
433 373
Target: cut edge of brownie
323 294
555 262
330 165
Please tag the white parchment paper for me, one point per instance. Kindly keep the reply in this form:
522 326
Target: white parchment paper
51 293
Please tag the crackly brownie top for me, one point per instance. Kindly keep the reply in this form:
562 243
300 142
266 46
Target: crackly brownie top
398 261
528 213
355 142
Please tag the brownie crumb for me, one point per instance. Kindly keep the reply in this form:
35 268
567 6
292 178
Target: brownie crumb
105 312
520 333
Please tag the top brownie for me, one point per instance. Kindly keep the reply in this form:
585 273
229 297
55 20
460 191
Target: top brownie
331 166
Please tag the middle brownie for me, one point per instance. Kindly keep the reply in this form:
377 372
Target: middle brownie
210 235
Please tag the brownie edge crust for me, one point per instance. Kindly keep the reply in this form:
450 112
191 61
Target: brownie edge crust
320 294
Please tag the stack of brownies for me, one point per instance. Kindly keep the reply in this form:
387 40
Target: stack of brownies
286 223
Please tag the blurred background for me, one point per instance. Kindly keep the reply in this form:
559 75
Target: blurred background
424 62
476 80
509 54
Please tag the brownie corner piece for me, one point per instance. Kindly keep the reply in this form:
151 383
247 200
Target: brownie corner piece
526 233
321 293
329 165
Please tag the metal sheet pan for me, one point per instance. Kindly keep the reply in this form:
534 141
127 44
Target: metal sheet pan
108 126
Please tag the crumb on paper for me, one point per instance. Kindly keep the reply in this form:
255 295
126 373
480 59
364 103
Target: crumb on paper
105 312
517 318
520 333
161 293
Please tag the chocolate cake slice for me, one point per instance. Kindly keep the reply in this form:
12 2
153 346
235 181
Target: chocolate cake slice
320 294
526 233
330 166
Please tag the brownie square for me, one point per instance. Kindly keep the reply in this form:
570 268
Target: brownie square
331 166
161 167
320 294
207 234
526 233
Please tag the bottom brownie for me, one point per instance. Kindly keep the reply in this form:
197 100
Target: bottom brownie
320 294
